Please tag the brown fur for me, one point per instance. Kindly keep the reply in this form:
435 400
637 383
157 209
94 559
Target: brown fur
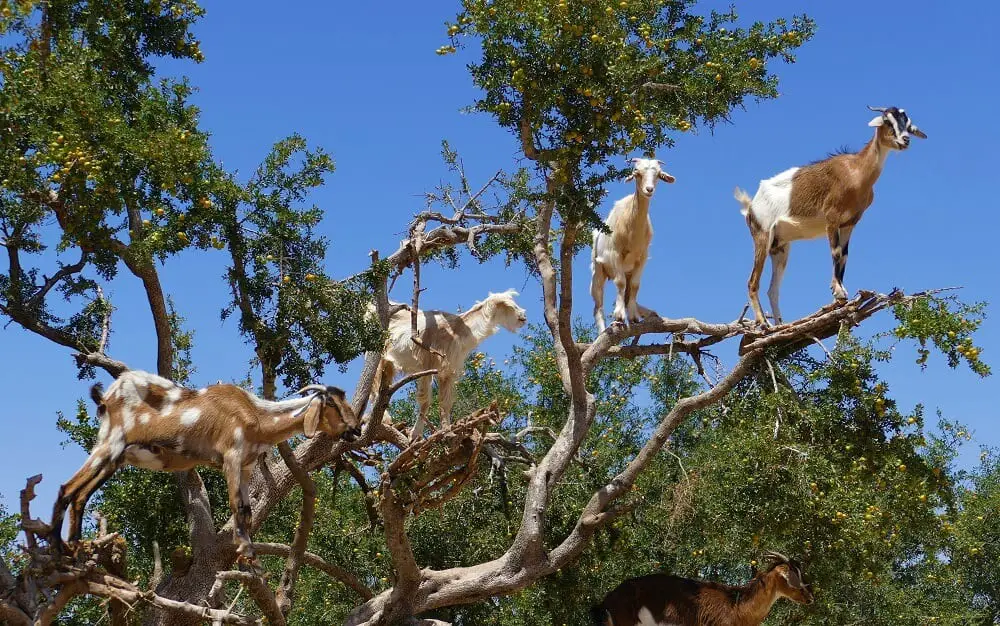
686 602
148 421
837 191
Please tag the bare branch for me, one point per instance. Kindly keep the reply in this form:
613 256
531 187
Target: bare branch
260 593
286 586
316 561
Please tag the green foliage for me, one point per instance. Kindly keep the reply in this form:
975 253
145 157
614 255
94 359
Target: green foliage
946 322
590 81
297 319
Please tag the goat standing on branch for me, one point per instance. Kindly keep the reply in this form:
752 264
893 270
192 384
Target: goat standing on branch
829 197
621 255
446 339
148 421
661 599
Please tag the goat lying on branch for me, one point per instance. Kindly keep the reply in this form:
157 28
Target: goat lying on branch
445 341
660 599
828 197
148 421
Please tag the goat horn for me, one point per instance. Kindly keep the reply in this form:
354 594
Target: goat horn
316 388
781 558
878 109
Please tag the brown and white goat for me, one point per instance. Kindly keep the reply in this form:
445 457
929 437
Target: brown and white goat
150 422
661 599
621 255
454 336
826 197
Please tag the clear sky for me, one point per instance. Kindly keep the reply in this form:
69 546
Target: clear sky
362 80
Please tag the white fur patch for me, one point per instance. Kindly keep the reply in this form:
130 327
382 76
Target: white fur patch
238 436
141 457
174 394
771 201
144 418
95 460
117 442
102 434
646 619
202 391
190 416
128 418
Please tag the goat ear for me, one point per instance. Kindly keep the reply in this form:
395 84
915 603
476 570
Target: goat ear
310 418
667 178
916 132
878 121
630 177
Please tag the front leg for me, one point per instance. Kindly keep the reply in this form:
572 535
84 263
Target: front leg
837 252
621 285
239 503
446 388
636 312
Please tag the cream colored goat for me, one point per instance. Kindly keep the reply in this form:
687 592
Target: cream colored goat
150 422
621 255
454 336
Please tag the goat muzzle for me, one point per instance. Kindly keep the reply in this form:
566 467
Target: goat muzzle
351 435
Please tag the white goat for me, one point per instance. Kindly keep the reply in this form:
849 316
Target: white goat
148 421
828 196
454 336
621 255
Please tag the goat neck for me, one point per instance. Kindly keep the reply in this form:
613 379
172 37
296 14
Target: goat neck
871 159
480 322
282 420
756 599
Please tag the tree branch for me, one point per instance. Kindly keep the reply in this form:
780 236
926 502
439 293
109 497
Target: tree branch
286 586
316 561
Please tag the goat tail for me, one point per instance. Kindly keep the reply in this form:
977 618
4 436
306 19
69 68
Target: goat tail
600 616
744 199
97 394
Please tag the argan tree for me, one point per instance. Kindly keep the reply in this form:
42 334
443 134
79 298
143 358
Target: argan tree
120 163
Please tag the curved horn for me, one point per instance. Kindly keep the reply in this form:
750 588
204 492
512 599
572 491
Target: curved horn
316 388
777 556
878 109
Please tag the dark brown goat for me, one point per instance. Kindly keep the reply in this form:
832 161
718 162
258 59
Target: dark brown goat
664 600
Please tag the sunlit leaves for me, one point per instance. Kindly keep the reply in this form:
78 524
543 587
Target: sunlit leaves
591 82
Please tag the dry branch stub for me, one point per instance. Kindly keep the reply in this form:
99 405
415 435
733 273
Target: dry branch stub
431 471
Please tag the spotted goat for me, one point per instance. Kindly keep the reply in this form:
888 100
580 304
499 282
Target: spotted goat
827 197
664 600
150 422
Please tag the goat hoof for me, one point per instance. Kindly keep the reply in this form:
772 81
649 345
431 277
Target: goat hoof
249 563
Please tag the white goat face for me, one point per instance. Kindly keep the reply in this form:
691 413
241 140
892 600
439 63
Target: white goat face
899 126
507 312
645 173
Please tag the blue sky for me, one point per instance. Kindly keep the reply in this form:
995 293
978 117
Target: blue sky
364 83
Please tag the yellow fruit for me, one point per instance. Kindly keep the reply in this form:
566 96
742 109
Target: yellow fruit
146 222
718 77
697 41
902 467
286 279
310 277
160 211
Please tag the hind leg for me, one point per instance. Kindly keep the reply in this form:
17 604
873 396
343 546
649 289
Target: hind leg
761 244
779 259
70 491
597 282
